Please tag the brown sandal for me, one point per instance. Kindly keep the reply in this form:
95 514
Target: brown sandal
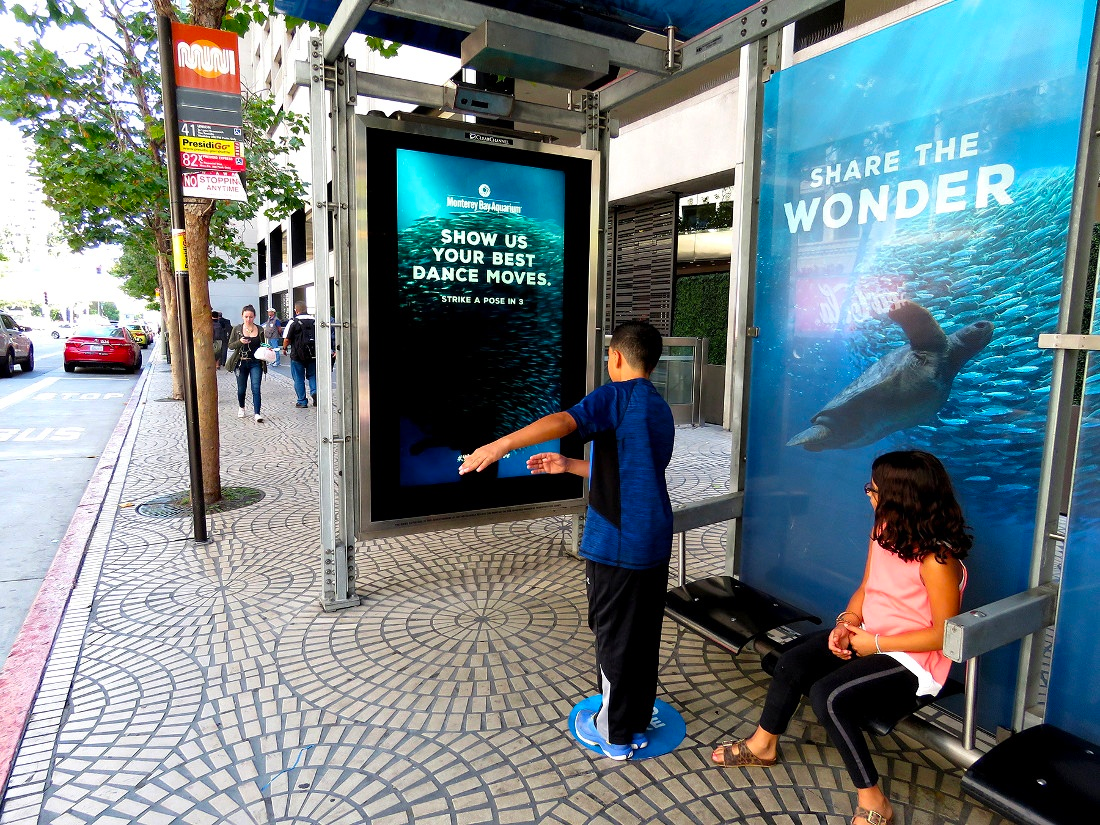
743 758
871 817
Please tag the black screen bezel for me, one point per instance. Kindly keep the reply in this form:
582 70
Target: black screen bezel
475 493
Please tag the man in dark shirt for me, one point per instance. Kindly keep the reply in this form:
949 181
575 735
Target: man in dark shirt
222 326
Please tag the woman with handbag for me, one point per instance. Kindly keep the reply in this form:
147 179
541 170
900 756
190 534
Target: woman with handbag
245 341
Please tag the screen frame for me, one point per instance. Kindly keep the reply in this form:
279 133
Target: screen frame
376 141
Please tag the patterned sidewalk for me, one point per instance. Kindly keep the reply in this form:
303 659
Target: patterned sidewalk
202 683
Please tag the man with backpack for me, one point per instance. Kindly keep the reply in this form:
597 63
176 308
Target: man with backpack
221 326
300 336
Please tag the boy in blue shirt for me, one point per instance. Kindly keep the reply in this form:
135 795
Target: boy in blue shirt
627 537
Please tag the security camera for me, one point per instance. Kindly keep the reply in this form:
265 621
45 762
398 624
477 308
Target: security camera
461 97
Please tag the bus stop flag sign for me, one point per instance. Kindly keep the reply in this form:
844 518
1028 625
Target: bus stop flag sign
208 106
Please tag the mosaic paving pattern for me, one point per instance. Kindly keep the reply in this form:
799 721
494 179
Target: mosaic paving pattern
202 683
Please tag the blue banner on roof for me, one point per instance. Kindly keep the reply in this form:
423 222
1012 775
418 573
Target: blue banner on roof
624 19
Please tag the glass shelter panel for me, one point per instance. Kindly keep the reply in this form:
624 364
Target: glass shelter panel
914 212
1073 702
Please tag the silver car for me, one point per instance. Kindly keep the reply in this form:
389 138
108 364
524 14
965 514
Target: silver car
15 347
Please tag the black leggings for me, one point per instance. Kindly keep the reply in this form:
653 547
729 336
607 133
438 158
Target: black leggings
843 693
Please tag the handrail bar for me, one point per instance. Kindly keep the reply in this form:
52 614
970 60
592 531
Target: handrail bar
706 511
698 514
970 634
996 624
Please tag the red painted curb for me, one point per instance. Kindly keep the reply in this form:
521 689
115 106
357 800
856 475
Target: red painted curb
22 673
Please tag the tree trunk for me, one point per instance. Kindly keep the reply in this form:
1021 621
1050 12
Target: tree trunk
197 213
170 321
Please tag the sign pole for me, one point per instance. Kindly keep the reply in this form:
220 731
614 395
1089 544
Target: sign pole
179 264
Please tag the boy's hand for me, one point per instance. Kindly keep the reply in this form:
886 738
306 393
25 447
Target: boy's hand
551 463
481 458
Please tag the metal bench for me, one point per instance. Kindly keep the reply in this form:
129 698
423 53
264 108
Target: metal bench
1039 776
730 613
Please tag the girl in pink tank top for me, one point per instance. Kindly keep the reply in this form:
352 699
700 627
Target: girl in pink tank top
887 645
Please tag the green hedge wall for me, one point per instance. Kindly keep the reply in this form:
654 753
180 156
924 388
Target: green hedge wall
700 309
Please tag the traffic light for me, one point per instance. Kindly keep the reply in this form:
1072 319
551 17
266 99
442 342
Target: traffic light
45 298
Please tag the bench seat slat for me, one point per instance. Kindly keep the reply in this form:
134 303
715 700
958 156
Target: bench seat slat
730 612
1039 776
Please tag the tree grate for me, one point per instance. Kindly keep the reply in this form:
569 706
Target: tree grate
174 505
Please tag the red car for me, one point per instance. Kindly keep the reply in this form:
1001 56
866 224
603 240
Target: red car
110 346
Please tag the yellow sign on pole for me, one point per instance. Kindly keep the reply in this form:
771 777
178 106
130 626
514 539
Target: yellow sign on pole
209 146
179 253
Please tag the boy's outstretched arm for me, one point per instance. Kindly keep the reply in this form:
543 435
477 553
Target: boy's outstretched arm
546 428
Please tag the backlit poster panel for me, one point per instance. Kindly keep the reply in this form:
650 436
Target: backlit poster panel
1073 702
914 211
477 293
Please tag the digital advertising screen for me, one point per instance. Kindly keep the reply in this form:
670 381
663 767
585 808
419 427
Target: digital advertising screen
479 267
914 211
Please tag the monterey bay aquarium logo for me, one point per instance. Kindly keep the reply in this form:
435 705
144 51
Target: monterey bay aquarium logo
483 203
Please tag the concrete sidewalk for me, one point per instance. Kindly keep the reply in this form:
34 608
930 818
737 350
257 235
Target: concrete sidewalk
202 683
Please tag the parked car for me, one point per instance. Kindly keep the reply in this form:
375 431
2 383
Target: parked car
109 346
62 329
140 335
15 347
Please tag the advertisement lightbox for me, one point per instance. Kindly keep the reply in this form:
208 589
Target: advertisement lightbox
476 271
915 202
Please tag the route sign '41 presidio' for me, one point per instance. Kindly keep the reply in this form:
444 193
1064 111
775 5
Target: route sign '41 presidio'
208 104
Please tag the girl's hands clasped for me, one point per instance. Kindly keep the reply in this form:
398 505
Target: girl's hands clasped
860 641
838 642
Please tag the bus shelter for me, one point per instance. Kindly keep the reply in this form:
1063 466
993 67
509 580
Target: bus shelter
894 206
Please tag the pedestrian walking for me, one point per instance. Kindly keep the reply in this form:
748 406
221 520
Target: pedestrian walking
273 334
300 338
245 340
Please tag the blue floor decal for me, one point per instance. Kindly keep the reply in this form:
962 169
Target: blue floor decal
665 733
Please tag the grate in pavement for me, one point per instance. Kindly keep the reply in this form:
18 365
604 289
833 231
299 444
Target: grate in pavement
173 505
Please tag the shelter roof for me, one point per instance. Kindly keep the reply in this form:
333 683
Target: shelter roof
622 19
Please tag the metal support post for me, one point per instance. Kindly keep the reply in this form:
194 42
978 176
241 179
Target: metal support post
682 549
335 591
750 120
1059 445
970 706
346 406
597 137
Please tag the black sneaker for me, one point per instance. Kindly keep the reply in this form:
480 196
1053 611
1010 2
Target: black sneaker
314 399
300 405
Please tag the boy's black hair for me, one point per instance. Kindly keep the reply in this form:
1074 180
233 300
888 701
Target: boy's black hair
639 342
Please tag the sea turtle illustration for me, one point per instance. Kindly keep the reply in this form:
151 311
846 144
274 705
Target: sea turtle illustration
907 386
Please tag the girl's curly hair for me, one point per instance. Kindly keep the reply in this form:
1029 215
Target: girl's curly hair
917 512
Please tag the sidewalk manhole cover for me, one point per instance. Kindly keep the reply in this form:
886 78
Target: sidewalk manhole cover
173 505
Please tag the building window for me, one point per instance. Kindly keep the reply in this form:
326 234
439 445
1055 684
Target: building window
261 260
298 239
278 250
